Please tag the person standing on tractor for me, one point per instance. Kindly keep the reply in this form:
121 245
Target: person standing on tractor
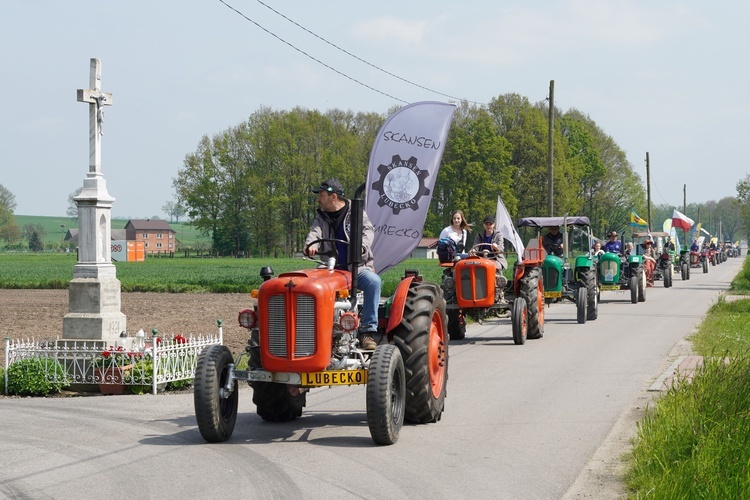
649 260
492 241
333 221
613 245
553 241
457 230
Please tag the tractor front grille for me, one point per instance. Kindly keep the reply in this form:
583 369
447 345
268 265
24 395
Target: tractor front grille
550 278
480 289
301 311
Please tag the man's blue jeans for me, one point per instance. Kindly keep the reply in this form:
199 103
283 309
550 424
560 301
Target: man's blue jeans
369 283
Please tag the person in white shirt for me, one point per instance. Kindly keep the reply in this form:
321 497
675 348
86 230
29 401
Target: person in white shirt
457 231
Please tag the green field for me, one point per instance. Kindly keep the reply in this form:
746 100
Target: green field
217 275
56 227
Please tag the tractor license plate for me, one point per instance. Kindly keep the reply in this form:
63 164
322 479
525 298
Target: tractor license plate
609 288
552 295
334 377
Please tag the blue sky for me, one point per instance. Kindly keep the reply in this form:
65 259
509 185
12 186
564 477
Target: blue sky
667 77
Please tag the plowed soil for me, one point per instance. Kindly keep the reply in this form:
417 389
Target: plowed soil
38 314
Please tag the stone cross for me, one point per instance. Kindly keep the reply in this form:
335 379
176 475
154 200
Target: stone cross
96 99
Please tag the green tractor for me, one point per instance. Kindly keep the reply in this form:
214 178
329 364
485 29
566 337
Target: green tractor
623 272
578 284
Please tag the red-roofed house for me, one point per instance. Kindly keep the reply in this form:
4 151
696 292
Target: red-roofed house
156 235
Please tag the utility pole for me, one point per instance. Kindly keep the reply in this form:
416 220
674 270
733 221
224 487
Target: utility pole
550 147
648 189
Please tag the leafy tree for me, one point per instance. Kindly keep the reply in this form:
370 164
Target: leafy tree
174 209
476 170
7 199
72 210
9 231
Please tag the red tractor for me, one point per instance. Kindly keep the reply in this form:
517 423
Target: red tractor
303 335
472 288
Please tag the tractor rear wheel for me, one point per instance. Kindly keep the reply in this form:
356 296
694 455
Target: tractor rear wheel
215 411
422 339
534 297
456 324
519 320
581 305
386 394
592 294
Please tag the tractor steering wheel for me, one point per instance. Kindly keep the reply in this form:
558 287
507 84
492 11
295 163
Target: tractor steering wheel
323 260
485 252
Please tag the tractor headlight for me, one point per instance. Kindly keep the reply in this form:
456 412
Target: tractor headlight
349 321
247 318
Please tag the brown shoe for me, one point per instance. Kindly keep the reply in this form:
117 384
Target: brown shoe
366 342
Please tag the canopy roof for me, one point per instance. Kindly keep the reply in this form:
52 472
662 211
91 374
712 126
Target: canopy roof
572 220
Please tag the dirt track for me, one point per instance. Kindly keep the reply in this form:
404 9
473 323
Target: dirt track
39 314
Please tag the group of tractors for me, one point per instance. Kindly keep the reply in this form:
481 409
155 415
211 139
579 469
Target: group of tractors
303 328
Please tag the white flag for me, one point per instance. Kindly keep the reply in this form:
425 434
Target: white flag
404 164
506 227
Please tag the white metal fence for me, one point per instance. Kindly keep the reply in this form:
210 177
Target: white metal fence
148 365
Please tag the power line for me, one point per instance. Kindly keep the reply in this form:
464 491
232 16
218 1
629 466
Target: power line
327 65
362 60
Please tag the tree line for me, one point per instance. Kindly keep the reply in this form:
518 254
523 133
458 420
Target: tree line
248 188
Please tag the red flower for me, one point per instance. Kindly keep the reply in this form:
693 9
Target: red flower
180 339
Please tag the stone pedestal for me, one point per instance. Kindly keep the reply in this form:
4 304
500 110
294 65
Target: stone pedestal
94 292
94 310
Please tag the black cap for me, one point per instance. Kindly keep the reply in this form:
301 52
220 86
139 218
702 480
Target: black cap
489 218
331 185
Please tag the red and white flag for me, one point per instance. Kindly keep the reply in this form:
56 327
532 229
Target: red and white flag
681 221
404 164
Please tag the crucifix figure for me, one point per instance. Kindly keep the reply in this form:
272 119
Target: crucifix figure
96 99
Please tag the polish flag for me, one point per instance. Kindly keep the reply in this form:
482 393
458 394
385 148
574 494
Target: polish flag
681 221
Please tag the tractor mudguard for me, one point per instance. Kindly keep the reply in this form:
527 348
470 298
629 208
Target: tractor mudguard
398 301
583 261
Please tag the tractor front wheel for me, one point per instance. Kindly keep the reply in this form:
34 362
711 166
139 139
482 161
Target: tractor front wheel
592 293
641 284
422 339
532 292
582 305
386 394
634 289
519 319
215 408
456 324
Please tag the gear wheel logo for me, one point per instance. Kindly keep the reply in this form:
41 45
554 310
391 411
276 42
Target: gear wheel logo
401 184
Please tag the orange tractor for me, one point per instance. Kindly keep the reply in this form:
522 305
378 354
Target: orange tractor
472 288
303 335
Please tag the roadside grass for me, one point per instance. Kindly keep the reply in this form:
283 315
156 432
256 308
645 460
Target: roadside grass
694 442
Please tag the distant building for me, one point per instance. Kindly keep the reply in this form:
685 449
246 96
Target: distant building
72 235
427 249
157 236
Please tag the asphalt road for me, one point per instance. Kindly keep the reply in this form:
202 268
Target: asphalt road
521 422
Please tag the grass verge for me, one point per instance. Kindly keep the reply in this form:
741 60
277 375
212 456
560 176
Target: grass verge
695 440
